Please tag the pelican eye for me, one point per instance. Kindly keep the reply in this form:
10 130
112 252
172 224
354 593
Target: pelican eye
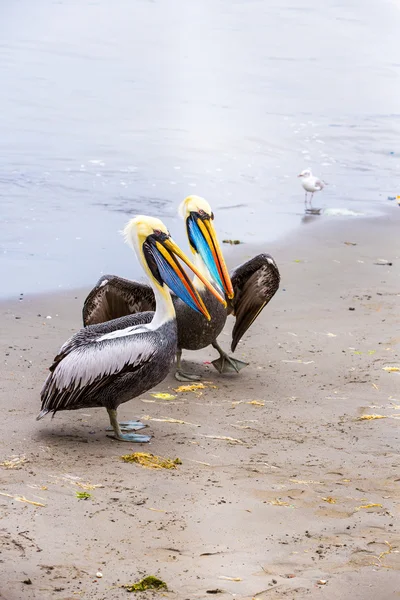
160 235
203 215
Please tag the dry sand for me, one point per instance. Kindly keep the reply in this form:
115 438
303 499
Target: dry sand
266 517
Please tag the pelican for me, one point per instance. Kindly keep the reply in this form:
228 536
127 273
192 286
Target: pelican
110 363
248 290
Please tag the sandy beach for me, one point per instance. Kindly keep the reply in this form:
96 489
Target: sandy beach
283 492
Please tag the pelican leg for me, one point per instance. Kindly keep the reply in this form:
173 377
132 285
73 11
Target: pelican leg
225 363
181 375
124 437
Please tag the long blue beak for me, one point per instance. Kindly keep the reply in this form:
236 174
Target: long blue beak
203 239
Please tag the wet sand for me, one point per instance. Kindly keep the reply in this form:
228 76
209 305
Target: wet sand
307 493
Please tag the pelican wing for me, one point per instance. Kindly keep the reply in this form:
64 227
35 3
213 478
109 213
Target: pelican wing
93 357
254 283
114 297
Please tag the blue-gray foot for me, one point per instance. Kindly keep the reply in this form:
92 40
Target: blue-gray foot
125 437
134 438
128 426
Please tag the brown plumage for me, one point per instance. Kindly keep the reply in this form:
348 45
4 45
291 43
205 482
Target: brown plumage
254 283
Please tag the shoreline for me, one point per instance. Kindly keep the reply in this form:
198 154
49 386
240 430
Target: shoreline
305 493
234 254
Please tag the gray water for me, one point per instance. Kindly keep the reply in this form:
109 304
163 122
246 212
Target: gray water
113 107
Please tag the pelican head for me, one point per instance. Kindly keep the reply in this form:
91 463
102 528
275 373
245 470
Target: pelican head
305 173
198 216
159 255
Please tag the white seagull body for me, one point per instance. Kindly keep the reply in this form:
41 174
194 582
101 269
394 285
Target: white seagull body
311 184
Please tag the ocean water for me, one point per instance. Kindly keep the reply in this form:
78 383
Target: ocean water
109 109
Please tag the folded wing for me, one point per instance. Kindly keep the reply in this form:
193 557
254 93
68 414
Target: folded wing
93 357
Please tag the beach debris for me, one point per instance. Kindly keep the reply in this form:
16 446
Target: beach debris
83 495
329 334
99 574
87 486
255 403
224 438
215 591
383 262
22 499
329 500
14 462
229 578
232 242
277 502
304 481
151 461
168 420
350 243
163 396
147 583
322 581
199 462
370 505
371 417
74 480
298 260
351 308
382 554
303 362
194 387
391 369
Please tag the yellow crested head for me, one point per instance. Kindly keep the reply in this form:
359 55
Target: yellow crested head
138 229
194 204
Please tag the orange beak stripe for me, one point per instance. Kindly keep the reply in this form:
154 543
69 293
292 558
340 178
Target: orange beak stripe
210 236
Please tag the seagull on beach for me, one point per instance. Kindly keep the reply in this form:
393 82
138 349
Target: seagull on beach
310 184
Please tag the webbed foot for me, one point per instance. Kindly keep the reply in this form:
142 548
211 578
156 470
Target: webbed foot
181 376
131 437
132 425
129 426
226 364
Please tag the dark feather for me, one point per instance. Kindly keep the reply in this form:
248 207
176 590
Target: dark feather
254 283
114 297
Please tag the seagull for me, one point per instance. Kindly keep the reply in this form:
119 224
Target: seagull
310 184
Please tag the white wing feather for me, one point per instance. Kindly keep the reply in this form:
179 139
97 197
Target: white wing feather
85 364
